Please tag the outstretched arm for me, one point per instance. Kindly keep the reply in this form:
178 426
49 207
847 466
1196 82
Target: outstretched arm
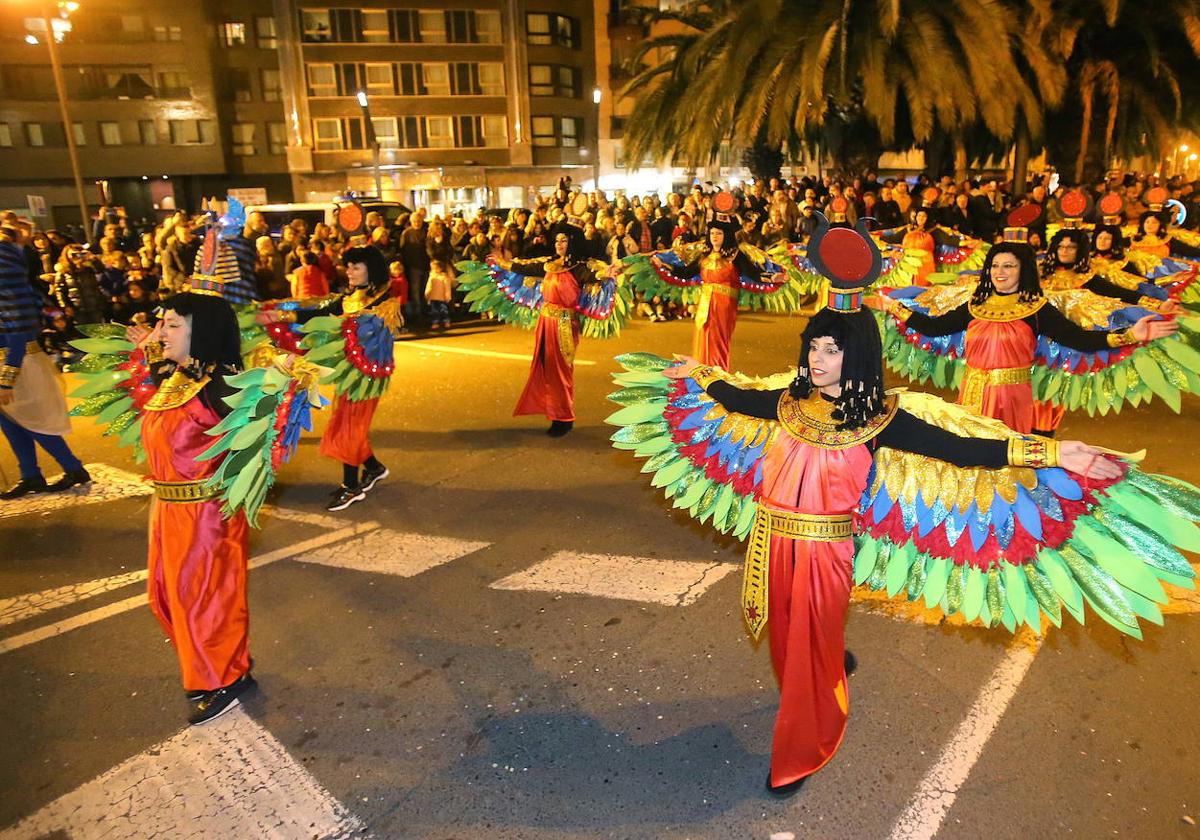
752 402
956 320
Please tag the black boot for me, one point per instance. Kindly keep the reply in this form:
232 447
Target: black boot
24 487
69 480
213 704
851 663
558 428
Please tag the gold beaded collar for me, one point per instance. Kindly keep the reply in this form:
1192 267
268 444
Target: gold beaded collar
176 390
1062 279
1004 308
810 420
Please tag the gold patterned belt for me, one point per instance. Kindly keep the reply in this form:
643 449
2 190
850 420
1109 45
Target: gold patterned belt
184 491
722 289
975 380
813 527
30 347
564 315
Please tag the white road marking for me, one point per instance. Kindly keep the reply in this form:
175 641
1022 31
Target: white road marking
35 603
672 583
107 611
389 552
108 483
228 778
938 790
318 520
466 351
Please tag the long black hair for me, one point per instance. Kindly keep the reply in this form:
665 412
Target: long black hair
1118 241
373 259
1163 221
857 336
1029 287
1083 250
216 340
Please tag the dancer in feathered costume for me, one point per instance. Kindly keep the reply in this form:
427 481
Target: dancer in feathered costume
561 298
1154 235
806 464
353 333
33 411
1004 345
212 438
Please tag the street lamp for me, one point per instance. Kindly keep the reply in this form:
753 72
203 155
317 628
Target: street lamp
372 139
64 9
596 94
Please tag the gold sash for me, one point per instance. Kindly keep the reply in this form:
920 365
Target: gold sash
814 527
566 335
975 380
183 491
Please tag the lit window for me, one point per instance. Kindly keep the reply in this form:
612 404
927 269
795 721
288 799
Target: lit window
433 27
233 34
322 80
184 132
543 132
541 80
386 132
168 33
243 139
440 132
133 28
328 134
491 79
276 138
34 135
266 33
316 26
487 27
147 132
110 134
5 135
538 27
495 131
437 79
272 85
380 79
571 129
375 26
81 138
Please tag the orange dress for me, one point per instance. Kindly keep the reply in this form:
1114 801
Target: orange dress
921 240
550 388
197 558
716 312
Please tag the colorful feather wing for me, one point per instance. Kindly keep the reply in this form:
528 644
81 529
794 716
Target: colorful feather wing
116 383
707 460
359 348
651 281
1014 545
270 407
509 297
922 358
604 305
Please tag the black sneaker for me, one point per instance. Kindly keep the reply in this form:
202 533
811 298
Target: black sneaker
193 696
216 703
851 663
25 487
69 480
345 496
558 428
371 477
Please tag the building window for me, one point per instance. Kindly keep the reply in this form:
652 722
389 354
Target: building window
272 85
557 131
459 29
238 81
406 26
433 27
265 33
495 131
147 132
133 28
243 139
543 132
168 33
571 129
174 84
34 135
552 30
410 79
375 29
110 134
233 34
439 132
554 80
436 78
322 80
386 133
491 79
191 132
327 133
276 138
488 131
487 27
5 135
380 79
81 138
316 26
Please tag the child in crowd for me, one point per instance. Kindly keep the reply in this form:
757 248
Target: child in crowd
439 291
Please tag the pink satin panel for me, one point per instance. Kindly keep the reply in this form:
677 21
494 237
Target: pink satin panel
991 345
197 559
712 339
808 596
550 389
346 438
1047 416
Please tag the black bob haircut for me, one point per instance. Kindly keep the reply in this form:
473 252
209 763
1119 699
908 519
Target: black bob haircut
1029 288
857 336
216 339
373 259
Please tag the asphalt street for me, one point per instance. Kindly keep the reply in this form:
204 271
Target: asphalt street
515 637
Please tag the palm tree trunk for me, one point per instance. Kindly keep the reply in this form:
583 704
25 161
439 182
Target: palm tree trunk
1021 157
960 158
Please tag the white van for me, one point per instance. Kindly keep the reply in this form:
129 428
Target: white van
279 215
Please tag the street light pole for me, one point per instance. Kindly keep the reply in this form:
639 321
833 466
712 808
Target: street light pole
372 139
596 94
68 127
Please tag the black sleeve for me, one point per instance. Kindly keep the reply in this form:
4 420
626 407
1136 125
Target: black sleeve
912 434
1182 249
746 266
584 274
749 401
686 272
956 320
1106 288
528 268
325 307
1051 323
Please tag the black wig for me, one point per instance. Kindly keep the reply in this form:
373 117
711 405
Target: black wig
216 340
1029 287
1163 220
376 263
857 336
1050 262
1117 250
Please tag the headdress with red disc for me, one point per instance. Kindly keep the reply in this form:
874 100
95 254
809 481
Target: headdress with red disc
850 260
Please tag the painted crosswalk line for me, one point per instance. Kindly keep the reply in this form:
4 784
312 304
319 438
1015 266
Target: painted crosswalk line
108 484
389 552
35 603
671 583
229 778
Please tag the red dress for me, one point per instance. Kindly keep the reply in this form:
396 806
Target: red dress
924 241
550 389
716 313
197 558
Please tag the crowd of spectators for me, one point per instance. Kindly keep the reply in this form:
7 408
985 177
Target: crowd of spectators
132 267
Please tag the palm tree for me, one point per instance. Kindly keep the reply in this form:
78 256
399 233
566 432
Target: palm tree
790 68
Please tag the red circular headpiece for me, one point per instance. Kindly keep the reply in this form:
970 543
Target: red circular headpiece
1073 203
724 202
1024 216
1158 195
931 195
1112 204
351 218
839 205
846 255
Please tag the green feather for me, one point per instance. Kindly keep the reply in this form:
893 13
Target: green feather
935 581
637 394
1100 590
897 568
1016 591
643 362
1125 568
641 412
974 588
864 560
